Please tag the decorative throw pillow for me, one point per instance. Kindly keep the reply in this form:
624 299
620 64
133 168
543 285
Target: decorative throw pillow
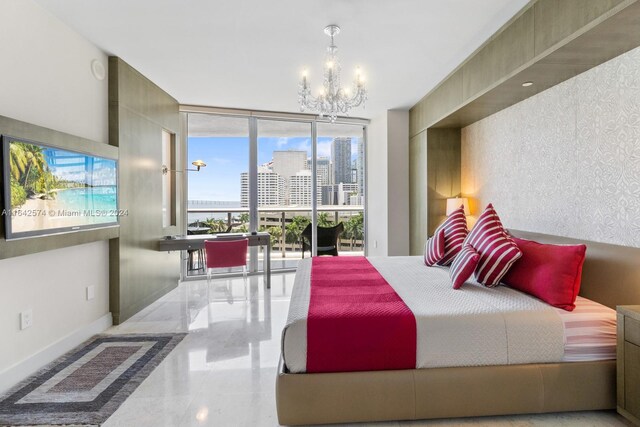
497 250
455 230
434 248
549 272
463 266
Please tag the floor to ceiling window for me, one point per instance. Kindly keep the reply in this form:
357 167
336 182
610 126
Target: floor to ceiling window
220 197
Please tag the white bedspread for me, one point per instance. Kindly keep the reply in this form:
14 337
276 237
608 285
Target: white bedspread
473 326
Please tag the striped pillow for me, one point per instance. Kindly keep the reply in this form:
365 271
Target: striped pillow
434 249
463 266
497 250
455 231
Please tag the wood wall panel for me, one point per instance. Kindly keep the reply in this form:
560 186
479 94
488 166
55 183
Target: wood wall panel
556 20
417 193
434 176
577 34
506 52
417 121
443 173
446 97
138 113
442 101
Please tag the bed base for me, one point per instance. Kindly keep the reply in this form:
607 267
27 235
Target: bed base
444 392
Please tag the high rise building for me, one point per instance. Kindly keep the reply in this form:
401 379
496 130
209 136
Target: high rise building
322 170
270 188
300 189
288 164
338 194
341 159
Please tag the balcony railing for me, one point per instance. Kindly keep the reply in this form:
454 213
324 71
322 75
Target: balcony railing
284 223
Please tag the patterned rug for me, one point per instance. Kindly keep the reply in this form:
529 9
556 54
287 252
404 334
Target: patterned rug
88 384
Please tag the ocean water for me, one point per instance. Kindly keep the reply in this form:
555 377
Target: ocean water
95 204
210 204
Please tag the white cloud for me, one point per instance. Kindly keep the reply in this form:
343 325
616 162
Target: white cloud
324 149
304 146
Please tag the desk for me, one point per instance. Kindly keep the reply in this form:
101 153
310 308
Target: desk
190 242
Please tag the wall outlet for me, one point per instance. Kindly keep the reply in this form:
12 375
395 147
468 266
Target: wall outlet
26 319
375 243
91 292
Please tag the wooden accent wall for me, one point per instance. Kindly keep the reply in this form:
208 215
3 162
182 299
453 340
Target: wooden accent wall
434 159
138 112
417 192
548 42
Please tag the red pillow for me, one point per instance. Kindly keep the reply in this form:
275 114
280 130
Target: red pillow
497 250
463 266
455 231
549 272
434 248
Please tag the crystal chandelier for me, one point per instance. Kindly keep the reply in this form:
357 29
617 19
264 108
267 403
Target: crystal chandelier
332 99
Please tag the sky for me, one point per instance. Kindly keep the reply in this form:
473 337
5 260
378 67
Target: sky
73 166
227 158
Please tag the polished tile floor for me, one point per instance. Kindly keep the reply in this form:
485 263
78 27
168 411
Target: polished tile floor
223 373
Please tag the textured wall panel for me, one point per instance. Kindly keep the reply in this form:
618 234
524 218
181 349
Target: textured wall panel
565 161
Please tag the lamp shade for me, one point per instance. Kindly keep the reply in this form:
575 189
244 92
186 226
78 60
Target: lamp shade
455 202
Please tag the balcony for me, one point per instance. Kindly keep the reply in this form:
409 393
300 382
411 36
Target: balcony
285 224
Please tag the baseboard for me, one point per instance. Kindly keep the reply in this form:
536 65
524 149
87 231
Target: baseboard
16 373
127 312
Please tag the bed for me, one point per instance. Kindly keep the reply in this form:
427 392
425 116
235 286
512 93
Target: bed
552 381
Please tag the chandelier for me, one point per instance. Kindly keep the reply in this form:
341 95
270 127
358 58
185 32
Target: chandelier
332 99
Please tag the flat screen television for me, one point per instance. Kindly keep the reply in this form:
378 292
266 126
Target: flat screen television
49 190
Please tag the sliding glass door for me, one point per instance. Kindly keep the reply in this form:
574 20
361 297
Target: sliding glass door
340 165
260 177
215 193
284 187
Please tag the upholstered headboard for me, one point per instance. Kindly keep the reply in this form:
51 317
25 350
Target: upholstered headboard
611 273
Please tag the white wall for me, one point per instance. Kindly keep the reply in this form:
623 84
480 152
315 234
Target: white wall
567 160
46 80
388 184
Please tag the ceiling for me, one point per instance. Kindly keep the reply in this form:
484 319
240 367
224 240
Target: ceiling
249 53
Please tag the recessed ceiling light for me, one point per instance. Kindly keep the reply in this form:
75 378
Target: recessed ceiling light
527 84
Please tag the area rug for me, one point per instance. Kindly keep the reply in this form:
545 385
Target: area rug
85 386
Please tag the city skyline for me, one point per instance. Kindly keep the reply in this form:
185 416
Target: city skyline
227 158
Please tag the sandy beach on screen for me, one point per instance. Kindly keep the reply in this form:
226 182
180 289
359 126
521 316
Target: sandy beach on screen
38 214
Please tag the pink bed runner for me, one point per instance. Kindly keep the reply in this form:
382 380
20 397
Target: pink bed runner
356 321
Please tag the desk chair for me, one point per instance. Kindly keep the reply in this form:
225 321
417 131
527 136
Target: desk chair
327 239
194 256
226 254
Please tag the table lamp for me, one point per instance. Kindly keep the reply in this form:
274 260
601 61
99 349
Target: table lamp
455 202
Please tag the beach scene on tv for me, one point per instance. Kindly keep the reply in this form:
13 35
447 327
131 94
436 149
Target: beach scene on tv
52 188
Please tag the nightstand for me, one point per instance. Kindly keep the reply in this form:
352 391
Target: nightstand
628 365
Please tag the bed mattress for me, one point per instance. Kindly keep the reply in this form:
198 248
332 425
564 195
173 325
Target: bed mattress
473 326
